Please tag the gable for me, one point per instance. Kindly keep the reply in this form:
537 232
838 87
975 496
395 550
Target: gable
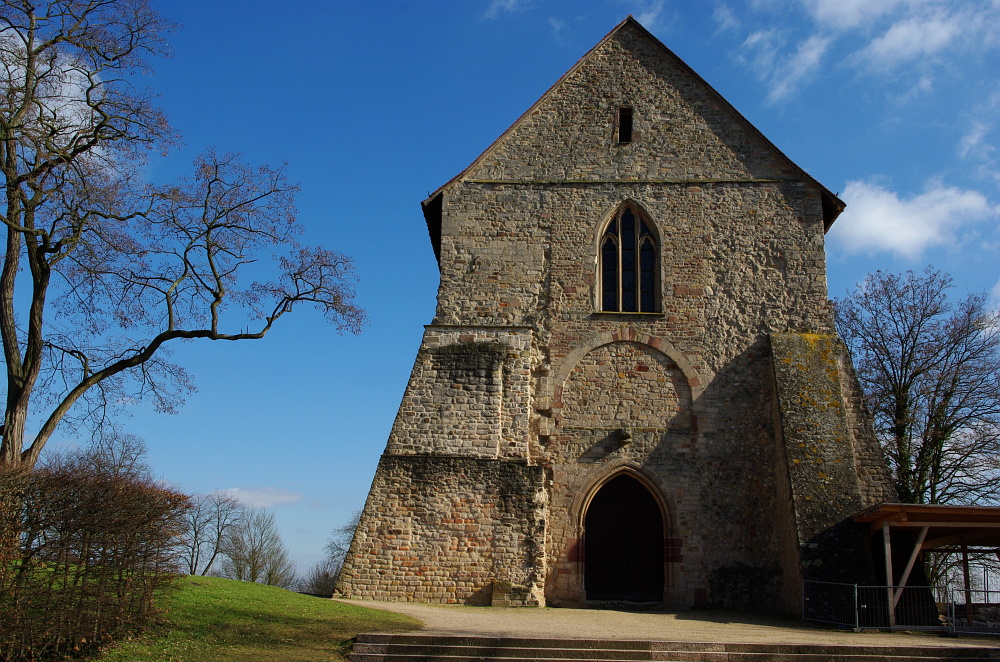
681 131
684 131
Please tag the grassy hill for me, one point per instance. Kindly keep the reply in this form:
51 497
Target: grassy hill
220 620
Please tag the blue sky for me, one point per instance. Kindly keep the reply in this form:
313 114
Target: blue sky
895 104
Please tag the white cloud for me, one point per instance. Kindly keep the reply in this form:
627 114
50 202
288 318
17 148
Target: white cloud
263 497
766 44
922 36
649 12
849 14
913 37
977 143
796 69
994 301
877 219
922 86
725 19
68 90
498 7
557 25
973 142
784 75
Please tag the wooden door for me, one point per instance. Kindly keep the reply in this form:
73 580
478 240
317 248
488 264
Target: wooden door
623 543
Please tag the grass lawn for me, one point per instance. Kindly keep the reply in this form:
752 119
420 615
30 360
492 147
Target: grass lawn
220 620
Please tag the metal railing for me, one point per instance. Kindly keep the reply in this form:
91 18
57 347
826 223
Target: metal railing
882 607
974 610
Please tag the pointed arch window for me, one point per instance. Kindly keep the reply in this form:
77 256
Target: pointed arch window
629 259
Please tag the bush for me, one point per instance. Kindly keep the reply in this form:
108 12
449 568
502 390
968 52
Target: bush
321 580
85 547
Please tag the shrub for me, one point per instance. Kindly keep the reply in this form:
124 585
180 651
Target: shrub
321 580
85 547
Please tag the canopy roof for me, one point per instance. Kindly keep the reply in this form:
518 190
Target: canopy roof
972 526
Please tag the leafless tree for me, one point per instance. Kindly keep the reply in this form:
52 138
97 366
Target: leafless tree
118 269
122 454
254 551
321 579
930 371
206 525
340 541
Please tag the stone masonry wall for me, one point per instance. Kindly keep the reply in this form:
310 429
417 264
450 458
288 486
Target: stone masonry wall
741 231
444 529
869 461
468 394
741 255
681 132
626 385
788 542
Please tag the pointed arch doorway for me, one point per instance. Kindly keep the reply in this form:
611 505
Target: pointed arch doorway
623 543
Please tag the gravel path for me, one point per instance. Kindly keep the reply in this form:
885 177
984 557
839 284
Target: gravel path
716 626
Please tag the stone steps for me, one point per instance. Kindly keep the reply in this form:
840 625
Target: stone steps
431 648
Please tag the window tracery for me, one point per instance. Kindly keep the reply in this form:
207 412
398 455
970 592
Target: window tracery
628 261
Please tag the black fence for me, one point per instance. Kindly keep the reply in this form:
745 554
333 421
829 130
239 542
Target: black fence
975 610
881 607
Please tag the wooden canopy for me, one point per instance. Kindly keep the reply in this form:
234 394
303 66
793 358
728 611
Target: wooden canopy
946 526
953 529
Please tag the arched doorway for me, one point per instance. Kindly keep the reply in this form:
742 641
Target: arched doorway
623 543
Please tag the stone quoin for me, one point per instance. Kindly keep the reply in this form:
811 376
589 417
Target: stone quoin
632 389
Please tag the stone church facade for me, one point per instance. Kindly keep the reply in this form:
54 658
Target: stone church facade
632 390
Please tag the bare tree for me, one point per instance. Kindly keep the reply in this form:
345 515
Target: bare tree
206 525
930 370
340 541
117 269
254 551
321 579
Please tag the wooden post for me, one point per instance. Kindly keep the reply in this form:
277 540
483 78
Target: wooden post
890 605
970 612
